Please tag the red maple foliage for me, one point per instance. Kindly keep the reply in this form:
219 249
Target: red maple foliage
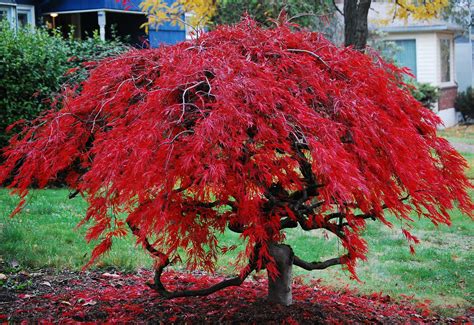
255 130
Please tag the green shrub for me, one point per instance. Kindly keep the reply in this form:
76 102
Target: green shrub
465 104
31 68
90 49
425 93
33 64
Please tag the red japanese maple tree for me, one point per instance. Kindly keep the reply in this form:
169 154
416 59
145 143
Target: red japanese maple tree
248 129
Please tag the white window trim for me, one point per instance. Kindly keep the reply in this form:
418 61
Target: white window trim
11 10
451 82
12 13
30 11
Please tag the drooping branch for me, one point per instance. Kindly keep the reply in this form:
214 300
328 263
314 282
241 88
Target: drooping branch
232 282
235 227
236 281
320 59
73 194
160 288
309 266
337 8
211 205
146 244
337 215
311 185
311 207
304 224
288 223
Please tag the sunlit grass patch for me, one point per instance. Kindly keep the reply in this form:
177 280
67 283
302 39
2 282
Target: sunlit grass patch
460 134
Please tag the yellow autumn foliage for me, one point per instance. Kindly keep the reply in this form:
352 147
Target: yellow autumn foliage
198 12
419 9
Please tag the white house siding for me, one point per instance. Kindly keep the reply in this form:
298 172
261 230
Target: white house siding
439 37
448 90
463 58
427 35
428 65
425 54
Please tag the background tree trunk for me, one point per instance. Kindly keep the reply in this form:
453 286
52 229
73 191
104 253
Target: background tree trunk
356 28
279 289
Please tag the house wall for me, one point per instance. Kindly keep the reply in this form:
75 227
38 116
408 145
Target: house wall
428 64
426 58
439 83
464 64
447 97
18 13
166 33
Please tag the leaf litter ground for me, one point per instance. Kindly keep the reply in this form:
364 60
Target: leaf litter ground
98 297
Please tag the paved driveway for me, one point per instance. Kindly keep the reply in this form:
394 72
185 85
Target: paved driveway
463 147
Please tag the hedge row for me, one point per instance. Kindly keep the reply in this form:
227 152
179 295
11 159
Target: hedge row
33 66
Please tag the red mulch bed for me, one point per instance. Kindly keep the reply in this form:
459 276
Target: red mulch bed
98 297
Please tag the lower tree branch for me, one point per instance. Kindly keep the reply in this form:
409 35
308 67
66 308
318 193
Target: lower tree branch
146 244
288 223
235 227
309 266
73 194
337 8
320 59
372 216
232 282
160 288
210 205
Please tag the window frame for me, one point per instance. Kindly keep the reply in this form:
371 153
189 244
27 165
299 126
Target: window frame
398 42
449 40
30 14
9 10
13 10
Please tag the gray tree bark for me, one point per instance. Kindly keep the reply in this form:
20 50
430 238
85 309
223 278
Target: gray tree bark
356 30
279 288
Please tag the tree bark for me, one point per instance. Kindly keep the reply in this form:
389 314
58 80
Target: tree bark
279 288
356 27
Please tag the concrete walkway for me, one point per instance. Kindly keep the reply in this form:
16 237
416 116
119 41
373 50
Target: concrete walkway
463 147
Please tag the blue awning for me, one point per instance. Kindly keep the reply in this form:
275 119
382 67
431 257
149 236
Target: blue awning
75 6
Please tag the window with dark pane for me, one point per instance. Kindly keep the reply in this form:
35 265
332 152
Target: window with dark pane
406 56
445 51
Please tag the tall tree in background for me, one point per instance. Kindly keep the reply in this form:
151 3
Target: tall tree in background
356 26
459 12
356 13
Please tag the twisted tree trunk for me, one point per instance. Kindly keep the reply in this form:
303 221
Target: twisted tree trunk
279 288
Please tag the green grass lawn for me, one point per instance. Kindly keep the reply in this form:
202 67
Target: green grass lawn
43 235
460 134
470 160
